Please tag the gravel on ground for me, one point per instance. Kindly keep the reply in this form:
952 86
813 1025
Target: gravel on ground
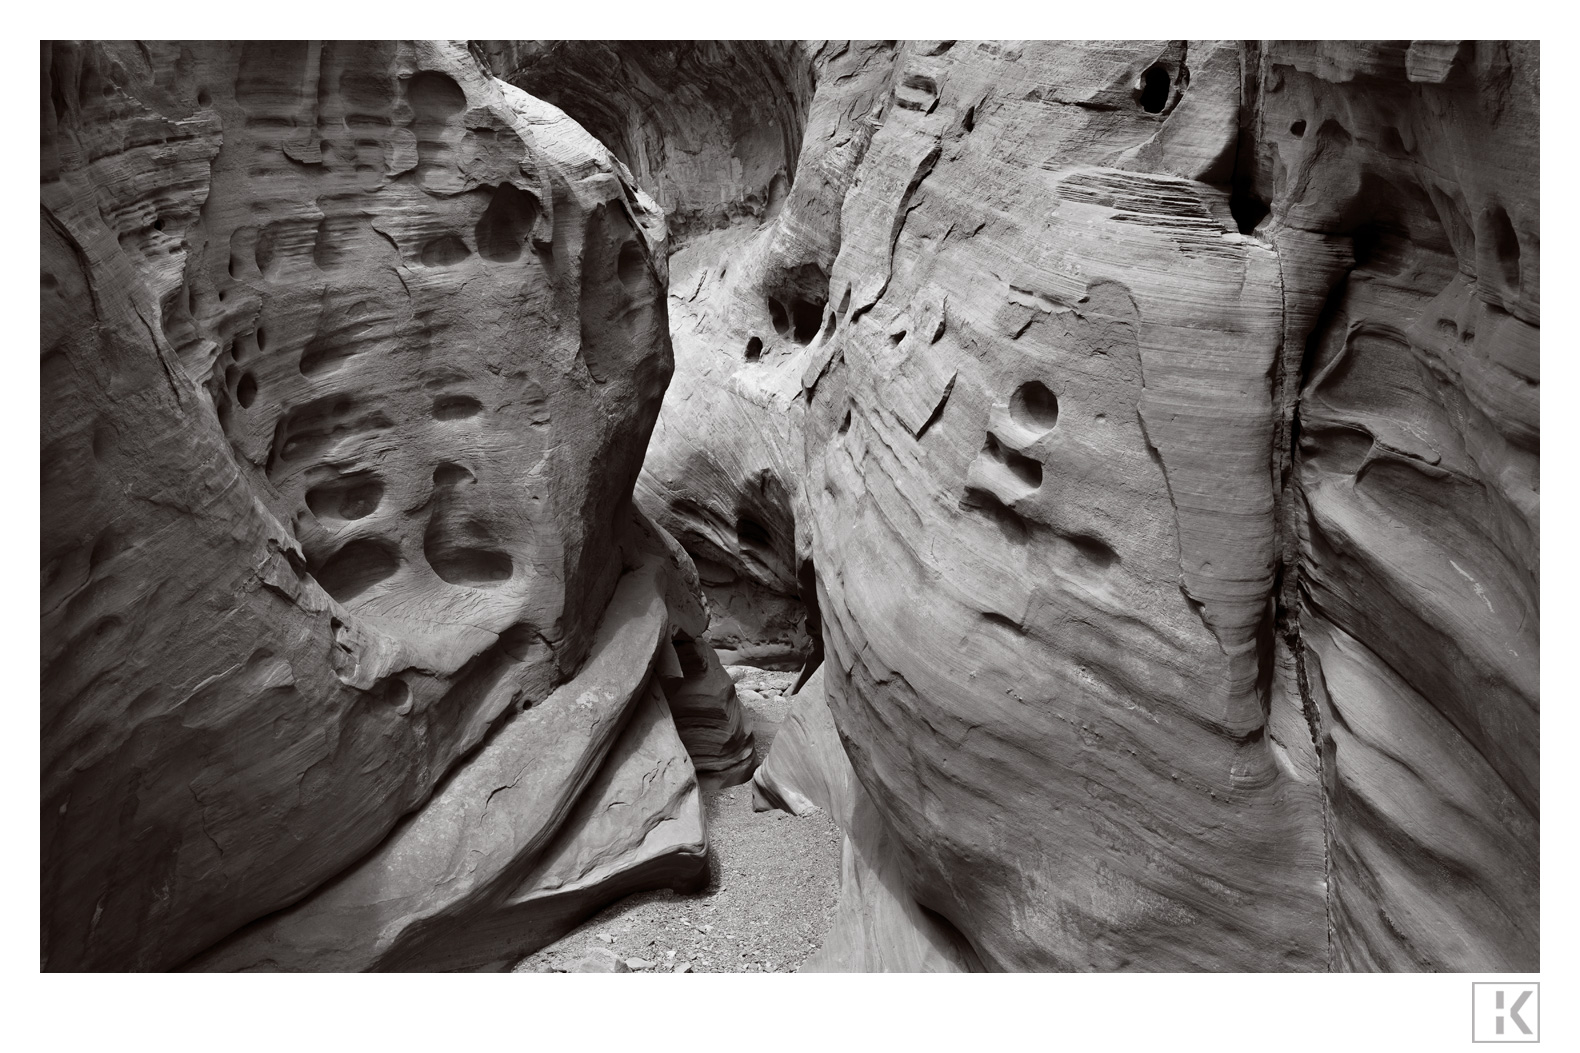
772 886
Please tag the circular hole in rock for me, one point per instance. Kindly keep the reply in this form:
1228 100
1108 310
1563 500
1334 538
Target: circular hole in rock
444 252
434 96
1297 129
754 349
519 640
392 692
505 224
247 390
1026 469
779 316
807 318
356 567
448 474
1034 407
1498 233
455 407
350 497
750 533
1095 550
461 564
204 99
632 265
1154 93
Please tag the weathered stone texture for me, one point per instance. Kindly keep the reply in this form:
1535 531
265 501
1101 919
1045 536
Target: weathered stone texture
350 354
1169 435
1140 439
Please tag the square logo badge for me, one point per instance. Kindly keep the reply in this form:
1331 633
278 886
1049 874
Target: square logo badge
1505 1012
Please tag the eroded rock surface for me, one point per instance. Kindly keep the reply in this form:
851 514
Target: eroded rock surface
1169 423
748 293
350 353
878 925
455 885
711 129
1141 439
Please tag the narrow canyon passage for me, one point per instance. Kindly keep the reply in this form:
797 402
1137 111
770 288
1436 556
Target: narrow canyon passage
942 505
772 888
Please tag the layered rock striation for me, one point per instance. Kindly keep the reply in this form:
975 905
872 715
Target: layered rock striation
350 353
748 294
1135 445
1169 435
710 129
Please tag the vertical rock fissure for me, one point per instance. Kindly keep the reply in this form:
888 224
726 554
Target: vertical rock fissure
1295 361
1288 377
1244 205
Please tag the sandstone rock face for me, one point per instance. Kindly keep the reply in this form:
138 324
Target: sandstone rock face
1043 522
350 352
879 926
1195 480
454 886
1169 435
1417 473
1140 440
711 129
723 469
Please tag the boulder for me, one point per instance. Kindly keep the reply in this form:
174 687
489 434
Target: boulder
601 961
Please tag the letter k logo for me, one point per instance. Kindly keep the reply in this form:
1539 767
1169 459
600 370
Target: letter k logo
1506 1011
1514 1012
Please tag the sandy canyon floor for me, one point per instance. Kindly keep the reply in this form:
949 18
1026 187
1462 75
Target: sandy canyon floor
772 886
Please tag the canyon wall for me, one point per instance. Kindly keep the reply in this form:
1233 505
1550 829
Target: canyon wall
1135 444
747 296
350 355
710 129
1167 429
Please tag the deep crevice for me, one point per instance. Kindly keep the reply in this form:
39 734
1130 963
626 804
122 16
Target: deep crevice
1153 93
1246 204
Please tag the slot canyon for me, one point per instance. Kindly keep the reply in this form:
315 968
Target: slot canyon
824 506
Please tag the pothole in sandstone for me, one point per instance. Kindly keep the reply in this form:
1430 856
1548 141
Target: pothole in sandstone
772 887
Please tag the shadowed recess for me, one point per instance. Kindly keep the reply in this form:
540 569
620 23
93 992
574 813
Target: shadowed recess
506 224
1154 93
457 555
357 566
349 497
1034 407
